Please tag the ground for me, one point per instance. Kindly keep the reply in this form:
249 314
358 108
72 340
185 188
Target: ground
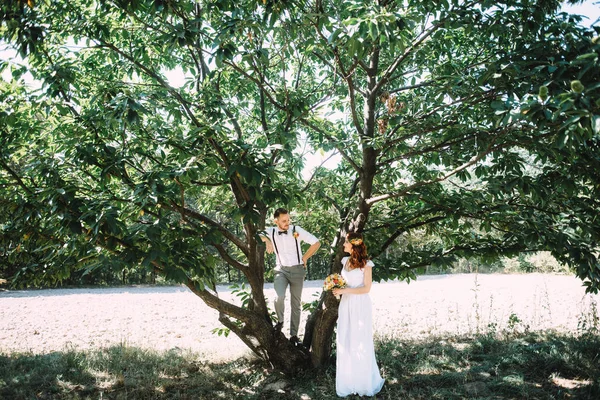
42 321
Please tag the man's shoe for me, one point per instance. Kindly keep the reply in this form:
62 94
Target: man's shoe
295 341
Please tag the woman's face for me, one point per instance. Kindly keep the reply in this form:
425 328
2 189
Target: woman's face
347 246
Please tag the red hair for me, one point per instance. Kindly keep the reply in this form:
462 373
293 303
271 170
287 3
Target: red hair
358 252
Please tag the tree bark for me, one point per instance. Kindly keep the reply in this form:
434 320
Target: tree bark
319 330
256 330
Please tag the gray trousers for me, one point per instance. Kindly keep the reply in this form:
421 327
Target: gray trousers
294 277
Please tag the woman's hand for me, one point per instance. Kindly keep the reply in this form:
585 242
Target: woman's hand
338 291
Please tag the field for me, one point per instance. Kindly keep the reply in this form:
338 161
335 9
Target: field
444 324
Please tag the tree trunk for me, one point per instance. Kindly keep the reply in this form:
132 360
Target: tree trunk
256 330
319 330
270 344
321 323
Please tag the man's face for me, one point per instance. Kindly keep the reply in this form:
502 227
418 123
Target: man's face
283 222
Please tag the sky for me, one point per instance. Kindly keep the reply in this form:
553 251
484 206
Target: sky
589 8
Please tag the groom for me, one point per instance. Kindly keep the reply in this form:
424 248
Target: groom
290 268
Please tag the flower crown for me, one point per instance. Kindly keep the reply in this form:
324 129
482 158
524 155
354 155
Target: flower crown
356 242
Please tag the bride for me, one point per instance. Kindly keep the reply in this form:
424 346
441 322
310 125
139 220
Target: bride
356 368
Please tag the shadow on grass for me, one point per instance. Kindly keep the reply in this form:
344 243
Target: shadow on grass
117 373
532 366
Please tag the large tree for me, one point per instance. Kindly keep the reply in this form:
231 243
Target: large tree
473 123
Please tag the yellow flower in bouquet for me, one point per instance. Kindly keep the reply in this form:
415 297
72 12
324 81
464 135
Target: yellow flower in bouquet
334 281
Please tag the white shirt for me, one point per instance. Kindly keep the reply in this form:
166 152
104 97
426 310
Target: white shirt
284 245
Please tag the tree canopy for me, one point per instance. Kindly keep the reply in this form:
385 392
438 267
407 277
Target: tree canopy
474 124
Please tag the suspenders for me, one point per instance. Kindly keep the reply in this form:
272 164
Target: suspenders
297 247
275 244
277 250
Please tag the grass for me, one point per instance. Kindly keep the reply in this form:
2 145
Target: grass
520 366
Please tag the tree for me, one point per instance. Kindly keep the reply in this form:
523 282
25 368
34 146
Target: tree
473 122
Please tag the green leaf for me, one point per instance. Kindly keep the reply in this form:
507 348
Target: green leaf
374 31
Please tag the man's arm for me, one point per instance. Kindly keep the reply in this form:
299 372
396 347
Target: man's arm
311 250
268 243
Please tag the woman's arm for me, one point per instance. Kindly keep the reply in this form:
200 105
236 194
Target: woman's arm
368 280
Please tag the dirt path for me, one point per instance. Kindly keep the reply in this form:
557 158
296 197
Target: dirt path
162 318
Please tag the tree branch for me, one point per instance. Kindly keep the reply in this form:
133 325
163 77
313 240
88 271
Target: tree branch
203 218
347 76
308 123
424 36
389 144
15 176
425 150
392 68
416 185
389 241
229 259
255 347
260 83
315 173
222 306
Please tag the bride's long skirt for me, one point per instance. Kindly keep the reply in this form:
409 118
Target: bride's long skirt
357 371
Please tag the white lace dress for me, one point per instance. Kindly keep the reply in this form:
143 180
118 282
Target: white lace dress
357 371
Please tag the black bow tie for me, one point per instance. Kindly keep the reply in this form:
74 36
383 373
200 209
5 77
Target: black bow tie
282 232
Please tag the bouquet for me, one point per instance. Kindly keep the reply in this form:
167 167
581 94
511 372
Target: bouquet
334 281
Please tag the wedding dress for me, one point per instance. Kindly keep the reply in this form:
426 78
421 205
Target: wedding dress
356 371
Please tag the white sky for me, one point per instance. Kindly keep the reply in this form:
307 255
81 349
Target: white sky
588 8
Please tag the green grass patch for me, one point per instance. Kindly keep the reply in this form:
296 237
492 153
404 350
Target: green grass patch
526 366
